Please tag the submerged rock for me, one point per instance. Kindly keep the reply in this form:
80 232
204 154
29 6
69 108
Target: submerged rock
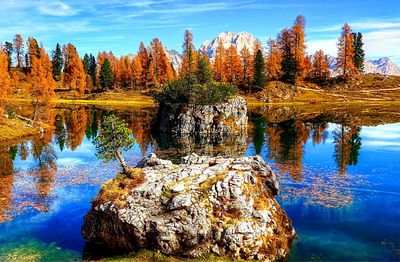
224 206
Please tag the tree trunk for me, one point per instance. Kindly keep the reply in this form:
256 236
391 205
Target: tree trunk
36 111
121 161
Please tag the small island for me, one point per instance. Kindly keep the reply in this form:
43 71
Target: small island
203 206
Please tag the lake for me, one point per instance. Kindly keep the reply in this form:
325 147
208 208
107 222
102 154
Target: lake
338 167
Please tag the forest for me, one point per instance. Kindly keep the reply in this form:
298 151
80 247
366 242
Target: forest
28 70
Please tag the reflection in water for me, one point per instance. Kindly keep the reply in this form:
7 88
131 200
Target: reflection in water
316 157
347 146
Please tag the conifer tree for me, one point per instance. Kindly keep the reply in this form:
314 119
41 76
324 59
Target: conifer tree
188 66
232 66
203 72
298 45
92 69
86 63
259 71
344 60
274 61
4 80
320 65
114 136
143 57
74 73
8 47
41 77
359 53
106 77
289 64
247 66
57 62
219 61
18 44
33 50
136 71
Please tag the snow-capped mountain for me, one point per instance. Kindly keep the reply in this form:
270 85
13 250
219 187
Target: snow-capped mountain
228 38
384 66
175 57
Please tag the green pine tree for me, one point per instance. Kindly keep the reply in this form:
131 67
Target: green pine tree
57 62
9 50
114 136
106 76
359 53
259 71
86 63
92 68
203 71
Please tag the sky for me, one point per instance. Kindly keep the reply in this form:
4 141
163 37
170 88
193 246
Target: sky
120 25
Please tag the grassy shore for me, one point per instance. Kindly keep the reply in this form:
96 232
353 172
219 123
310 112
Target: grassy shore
15 129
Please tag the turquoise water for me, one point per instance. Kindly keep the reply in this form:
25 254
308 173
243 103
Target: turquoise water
340 184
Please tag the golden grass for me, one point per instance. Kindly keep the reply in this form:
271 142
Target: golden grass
13 129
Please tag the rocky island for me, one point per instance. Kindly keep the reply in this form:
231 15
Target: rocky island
223 206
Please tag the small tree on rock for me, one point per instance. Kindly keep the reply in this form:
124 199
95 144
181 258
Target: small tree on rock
114 135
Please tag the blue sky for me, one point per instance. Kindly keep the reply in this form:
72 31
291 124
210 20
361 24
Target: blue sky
120 25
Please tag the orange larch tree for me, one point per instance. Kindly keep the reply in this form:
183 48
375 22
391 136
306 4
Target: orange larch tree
247 66
344 60
299 47
162 67
219 61
74 72
320 65
41 76
18 44
33 50
143 57
232 66
274 61
189 55
136 71
4 80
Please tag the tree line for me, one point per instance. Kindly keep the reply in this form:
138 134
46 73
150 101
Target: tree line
28 64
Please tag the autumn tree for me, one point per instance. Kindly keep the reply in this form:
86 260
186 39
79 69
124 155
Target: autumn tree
106 77
274 61
359 53
33 51
259 71
4 79
320 65
74 73
18 44
232 66
41 79
143 57
162 66
345 58
219 61
114 136
247 66
137 71
57 62
298 45
188 66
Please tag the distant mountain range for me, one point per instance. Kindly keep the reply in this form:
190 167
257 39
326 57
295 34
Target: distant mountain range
383 65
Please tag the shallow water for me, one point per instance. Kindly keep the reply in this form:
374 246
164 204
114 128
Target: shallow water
339 175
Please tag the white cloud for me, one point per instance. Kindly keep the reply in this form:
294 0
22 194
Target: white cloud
56 8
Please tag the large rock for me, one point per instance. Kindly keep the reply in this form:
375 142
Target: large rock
227 118
204 205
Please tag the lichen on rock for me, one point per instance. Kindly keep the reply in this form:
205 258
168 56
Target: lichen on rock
204 205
